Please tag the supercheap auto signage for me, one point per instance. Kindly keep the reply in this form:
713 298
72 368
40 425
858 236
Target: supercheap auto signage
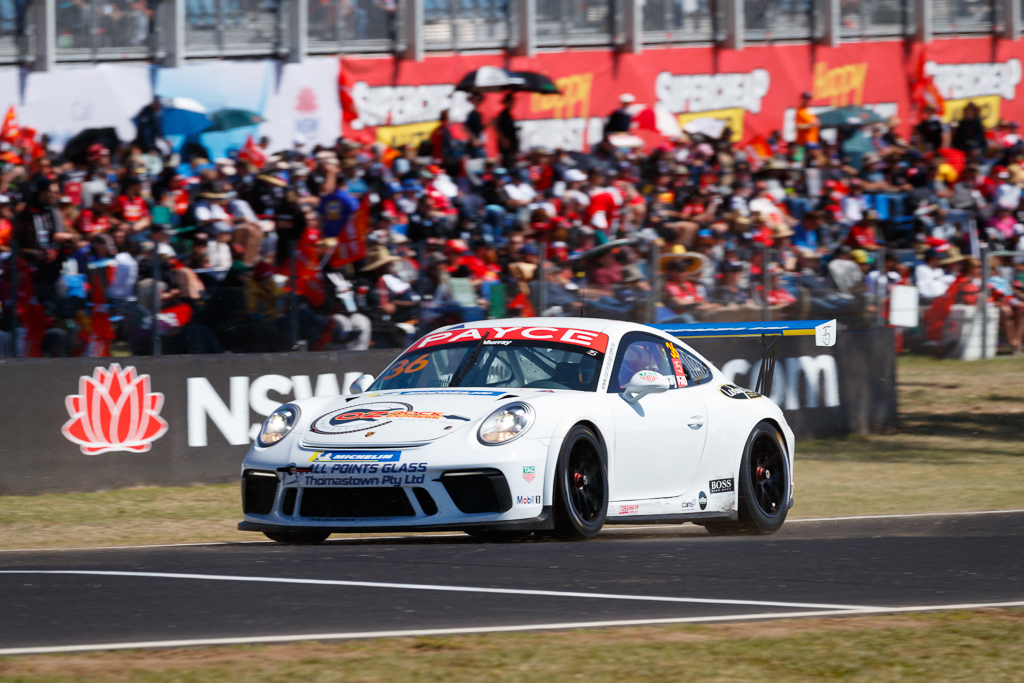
87 424
755 90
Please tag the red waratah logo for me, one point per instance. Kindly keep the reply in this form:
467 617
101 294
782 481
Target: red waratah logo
306 101
114 411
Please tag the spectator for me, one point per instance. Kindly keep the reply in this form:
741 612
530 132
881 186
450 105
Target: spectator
619 121
507 132
807 124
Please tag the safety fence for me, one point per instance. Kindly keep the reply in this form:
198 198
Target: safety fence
348 26
112 30
877 18
223 28
17 30
781 20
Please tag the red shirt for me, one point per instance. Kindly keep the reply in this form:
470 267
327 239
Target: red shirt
88 222
5 232
861 236
132 210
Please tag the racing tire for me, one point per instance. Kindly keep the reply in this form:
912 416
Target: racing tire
581 486
764 485
297 537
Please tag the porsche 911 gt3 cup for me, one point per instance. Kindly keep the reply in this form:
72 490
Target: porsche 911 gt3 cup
550 425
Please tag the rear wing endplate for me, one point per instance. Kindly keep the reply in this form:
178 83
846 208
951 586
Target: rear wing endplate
824 332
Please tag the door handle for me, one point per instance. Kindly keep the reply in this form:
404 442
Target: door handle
696 422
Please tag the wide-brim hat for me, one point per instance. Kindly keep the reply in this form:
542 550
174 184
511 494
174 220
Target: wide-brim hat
780 230
694 261
272 180
953 256
376 257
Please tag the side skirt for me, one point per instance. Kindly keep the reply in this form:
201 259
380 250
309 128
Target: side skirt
695 517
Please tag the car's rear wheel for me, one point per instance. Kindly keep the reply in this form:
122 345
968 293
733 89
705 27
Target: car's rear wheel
297 537
764 485
581 485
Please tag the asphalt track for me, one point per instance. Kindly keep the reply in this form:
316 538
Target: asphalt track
66 600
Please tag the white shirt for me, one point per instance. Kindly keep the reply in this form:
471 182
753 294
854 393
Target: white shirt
240 209
1008 196
846 274
207 211
218 254
853 208
931 282
126 276
520 192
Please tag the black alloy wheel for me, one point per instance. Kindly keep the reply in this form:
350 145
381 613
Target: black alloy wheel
764 485
581 485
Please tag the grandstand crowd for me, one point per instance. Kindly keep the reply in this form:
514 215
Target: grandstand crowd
359 244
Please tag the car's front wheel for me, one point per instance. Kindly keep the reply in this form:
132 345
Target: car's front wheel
764 485
297 537
581 485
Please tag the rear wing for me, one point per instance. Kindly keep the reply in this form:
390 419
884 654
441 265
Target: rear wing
824 332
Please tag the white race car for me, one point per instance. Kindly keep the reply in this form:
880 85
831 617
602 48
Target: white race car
501 428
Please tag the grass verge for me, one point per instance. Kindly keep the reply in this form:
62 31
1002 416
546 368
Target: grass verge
957 448
962 646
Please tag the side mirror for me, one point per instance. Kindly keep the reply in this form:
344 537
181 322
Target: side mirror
643 383
361 384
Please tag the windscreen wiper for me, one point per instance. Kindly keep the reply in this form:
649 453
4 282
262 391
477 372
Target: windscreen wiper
468 363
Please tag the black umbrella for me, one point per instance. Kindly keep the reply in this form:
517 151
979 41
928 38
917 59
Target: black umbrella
535 82
77 148
495 79
852 116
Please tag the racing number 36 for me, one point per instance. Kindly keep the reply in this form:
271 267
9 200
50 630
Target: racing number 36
405 366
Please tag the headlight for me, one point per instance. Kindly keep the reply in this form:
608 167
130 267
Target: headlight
506 423
278 424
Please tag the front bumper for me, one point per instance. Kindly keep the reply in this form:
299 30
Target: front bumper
439 488
544 521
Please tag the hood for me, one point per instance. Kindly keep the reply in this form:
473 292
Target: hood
405 417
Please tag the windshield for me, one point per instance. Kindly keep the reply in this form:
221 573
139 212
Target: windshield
507 358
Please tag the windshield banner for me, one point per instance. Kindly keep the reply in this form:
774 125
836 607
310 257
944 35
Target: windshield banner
596 341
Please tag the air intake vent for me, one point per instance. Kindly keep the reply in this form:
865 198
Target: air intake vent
258 492
379 501
482 490
426 501
288 504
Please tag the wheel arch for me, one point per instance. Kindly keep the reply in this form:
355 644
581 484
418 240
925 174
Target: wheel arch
555 449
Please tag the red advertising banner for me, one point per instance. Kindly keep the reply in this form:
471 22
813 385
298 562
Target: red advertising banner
755 90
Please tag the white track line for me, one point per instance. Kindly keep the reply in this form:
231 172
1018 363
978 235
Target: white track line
433 587
663 527
216 543
906 515
250 640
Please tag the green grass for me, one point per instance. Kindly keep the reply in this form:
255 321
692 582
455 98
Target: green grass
958 447
979 646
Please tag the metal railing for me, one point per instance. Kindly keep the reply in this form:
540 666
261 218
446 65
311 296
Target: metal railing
779 19
95 30
351 26
455 24
962 16
224 28
579 22
876 18
681 21
111 30
16 31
